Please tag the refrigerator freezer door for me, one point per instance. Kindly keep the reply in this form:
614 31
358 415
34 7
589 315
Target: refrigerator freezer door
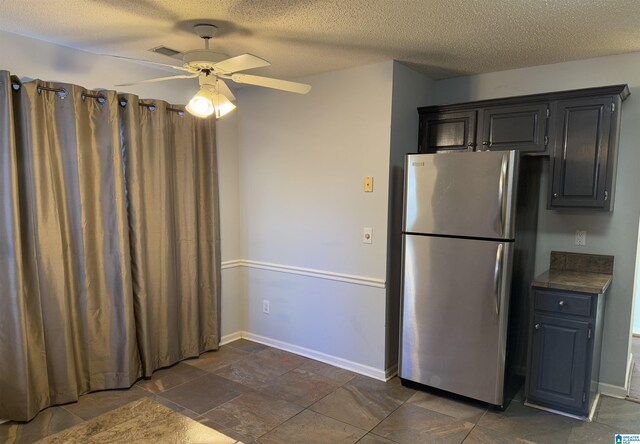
454 314
461 194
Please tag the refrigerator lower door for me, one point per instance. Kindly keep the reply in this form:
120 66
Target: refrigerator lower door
454 314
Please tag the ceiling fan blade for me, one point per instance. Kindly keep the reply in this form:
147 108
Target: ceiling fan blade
224 89
179 68
161 79
267 82
241 63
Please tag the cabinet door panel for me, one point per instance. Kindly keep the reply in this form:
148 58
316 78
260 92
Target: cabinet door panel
521 128
559 361
582 150
454 131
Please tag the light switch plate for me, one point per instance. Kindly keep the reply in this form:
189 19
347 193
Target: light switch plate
368 184
581 237
367 235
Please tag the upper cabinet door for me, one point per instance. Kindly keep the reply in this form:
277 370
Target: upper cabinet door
447 131
520 127
581 158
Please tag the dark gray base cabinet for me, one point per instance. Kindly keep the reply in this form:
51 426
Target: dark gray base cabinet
564 350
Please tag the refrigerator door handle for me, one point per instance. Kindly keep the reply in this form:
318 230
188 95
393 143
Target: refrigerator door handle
497 273
501 188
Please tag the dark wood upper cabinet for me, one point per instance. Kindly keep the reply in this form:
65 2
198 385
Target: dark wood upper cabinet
454 131
582 167
515 127
577 129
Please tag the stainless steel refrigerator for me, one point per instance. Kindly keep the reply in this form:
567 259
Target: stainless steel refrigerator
459 244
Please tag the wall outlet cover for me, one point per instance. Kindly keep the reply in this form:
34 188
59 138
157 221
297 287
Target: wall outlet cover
367 235
265 306
368 184
581 237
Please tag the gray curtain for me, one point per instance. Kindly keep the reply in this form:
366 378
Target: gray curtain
97 289
171 171
66 308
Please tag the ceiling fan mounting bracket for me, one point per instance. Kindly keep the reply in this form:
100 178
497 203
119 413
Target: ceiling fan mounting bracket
205 30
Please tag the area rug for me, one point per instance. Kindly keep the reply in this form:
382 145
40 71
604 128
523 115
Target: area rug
142 421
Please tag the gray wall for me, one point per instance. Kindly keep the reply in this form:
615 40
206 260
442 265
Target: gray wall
410 90
302 160
607 233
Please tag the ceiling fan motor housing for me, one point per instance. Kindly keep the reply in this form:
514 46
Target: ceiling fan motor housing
202 59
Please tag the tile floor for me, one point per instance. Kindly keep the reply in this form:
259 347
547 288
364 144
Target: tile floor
251 393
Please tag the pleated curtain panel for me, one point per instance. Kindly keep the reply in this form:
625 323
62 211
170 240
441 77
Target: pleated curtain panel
109 241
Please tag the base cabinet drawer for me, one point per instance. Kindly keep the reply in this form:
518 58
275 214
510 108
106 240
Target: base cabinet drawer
563 303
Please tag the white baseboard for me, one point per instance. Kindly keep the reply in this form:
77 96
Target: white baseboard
391 372
230 337
382 375
614 391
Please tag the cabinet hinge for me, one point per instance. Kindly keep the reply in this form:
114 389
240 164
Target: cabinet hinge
584 397
589 334
546 140
606 195
548 112
613 107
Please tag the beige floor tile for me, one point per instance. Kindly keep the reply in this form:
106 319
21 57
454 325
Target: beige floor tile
619 413
370 438
252 371
529 423
212 361
248 346
47 422
300 387
312 428
95 404
205 393
253 414
466 411
356 406
595 433
480 435
412 424
170 377
339 375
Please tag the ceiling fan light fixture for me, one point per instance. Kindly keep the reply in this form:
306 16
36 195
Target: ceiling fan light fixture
201 105
223 105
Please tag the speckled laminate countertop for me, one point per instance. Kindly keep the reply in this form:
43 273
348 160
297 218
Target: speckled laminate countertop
583 281
589 273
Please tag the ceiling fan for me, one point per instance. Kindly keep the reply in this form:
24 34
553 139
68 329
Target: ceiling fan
212 69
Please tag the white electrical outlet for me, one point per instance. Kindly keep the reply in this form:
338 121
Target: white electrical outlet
581 237
265 306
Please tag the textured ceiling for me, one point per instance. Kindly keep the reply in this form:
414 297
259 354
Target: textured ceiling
300 37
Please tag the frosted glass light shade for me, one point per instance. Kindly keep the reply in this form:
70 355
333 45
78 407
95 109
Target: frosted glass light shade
201 105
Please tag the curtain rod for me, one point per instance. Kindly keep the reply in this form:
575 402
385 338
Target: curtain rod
61 92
